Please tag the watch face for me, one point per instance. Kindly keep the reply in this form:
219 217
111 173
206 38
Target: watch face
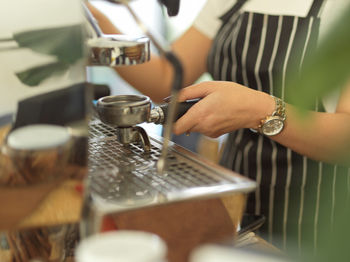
272 126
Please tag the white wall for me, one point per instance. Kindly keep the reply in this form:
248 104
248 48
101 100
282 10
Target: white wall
23 15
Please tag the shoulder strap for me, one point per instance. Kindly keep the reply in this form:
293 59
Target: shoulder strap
315 8
233 10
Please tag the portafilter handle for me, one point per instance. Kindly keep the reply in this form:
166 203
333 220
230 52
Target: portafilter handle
159 113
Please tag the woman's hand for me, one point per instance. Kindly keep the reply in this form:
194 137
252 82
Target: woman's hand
225 106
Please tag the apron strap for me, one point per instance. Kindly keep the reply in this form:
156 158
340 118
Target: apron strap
233 10
315 8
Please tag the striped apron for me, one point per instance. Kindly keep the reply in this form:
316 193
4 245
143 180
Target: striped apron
299 197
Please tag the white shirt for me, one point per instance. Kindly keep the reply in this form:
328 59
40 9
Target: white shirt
208 21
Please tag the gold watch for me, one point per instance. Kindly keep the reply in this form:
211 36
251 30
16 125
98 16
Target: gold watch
274 123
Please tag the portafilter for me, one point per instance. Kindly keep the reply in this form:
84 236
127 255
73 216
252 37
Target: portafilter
117 49
125 112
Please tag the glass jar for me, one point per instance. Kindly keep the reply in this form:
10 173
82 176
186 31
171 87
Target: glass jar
35 162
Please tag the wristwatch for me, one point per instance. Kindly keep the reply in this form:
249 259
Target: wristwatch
274 123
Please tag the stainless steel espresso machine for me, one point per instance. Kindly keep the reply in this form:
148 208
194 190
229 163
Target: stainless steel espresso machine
146 182
137 180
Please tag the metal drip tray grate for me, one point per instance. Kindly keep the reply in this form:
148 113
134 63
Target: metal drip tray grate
127 175
109 154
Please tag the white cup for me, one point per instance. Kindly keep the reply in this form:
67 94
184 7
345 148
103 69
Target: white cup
122 246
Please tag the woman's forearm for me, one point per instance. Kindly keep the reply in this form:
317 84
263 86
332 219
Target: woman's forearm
320 136
228 106
152 78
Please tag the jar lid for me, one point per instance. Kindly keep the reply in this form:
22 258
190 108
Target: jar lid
38 137
122 246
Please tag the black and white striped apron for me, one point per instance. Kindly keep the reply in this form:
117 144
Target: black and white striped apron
297 195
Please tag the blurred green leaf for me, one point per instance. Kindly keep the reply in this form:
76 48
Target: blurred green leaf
328 68
35 75
66 43
6 39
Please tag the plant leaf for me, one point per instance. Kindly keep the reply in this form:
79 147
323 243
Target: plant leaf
35 75
66 43
328 68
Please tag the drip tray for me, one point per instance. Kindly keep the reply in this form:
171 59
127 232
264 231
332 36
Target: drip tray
125 177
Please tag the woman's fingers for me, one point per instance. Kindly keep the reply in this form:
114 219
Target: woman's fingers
186 122
192 121
189 120
195 91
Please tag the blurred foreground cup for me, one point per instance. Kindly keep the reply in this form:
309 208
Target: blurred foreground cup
122 246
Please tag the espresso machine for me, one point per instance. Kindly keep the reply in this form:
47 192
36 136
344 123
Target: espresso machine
137 180
146 182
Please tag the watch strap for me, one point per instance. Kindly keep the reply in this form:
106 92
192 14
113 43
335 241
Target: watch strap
280 111
280 108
